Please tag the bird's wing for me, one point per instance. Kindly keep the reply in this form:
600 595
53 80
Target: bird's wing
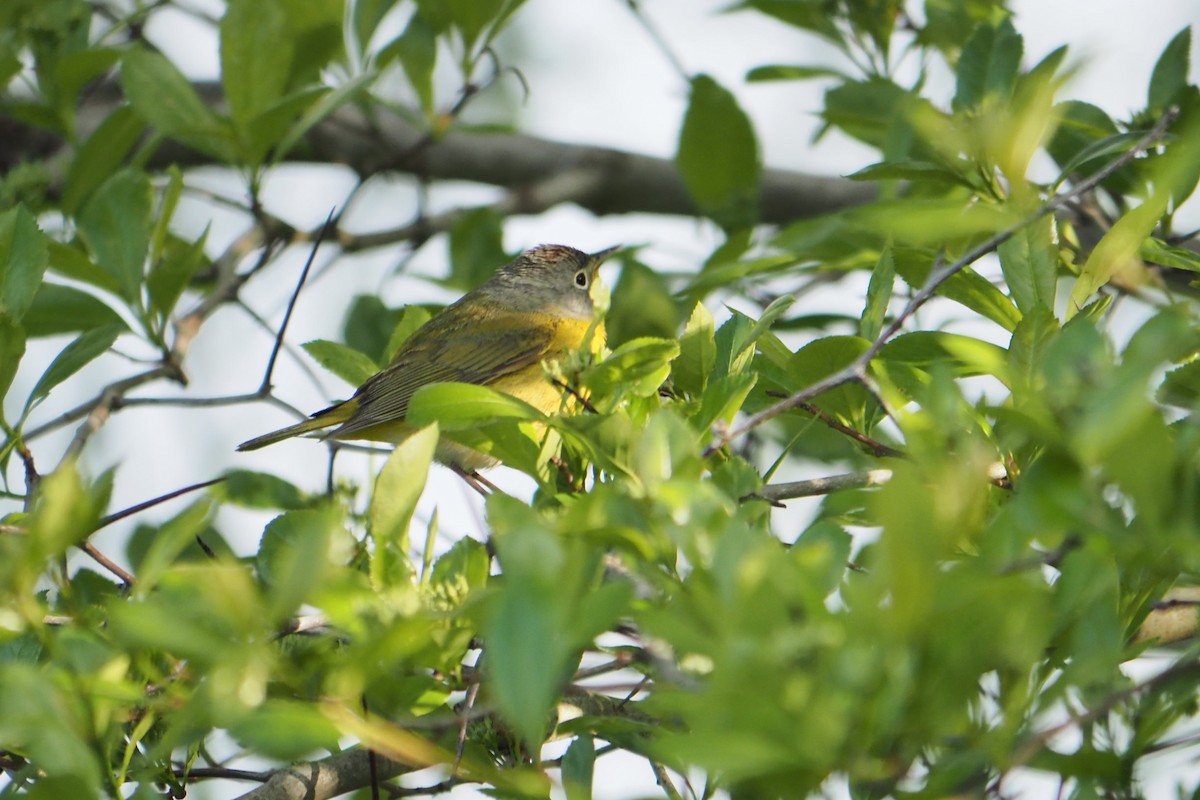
471 351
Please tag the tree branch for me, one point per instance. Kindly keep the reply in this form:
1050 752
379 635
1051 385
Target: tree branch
385 142
317 780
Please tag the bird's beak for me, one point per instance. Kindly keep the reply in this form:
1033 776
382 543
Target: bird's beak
597 258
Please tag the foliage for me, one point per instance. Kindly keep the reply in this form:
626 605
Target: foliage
646 598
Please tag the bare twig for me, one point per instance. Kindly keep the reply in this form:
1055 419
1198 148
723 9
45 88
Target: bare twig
120 515
265 386
108 563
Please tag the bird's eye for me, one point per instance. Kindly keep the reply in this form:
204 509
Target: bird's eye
581 279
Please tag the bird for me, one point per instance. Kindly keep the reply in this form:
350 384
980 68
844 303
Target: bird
537 307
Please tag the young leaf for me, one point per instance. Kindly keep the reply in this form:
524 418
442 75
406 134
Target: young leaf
293 555
718 155
12 347
352 366
697 353
879 294
73 358
988 65
115 223
397 490
1170 74
23 260
1029 261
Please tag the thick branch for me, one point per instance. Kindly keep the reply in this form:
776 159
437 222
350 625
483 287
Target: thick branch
330 777
382 141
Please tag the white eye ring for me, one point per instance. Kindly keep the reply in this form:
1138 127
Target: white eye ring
581 279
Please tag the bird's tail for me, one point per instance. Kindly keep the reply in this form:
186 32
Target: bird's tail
331 416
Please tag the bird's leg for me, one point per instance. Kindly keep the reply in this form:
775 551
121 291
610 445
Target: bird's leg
475 480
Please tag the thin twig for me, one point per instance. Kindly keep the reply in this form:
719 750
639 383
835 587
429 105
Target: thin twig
108 563
120 515
265 386
939 275
571 390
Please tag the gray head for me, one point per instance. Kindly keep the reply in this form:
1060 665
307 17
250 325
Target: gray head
549 278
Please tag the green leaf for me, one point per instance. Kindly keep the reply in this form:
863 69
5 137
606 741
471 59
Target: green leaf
69 261
367 14
641 306
104 152
461 406
527 622
988 65
1101 149
1157 251
474 17
23 260
169 541
286 730
411 318
1029 261
64 309
66 512
397 490
868 110
169 276
73 358
115 223
255 76
966 287
350 365
368 324
293 555
250 489
12 347
640 364
791 72
718 156
809 15
879 294
163 97
325 105
1181 386
36 719
476 248
911 170
821 358
578 768
416 49
723 398
697 353
1170 74
465 566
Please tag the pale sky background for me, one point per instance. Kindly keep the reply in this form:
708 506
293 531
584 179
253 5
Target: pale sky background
594 77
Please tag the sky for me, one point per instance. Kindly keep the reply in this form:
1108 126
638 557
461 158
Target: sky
595 76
